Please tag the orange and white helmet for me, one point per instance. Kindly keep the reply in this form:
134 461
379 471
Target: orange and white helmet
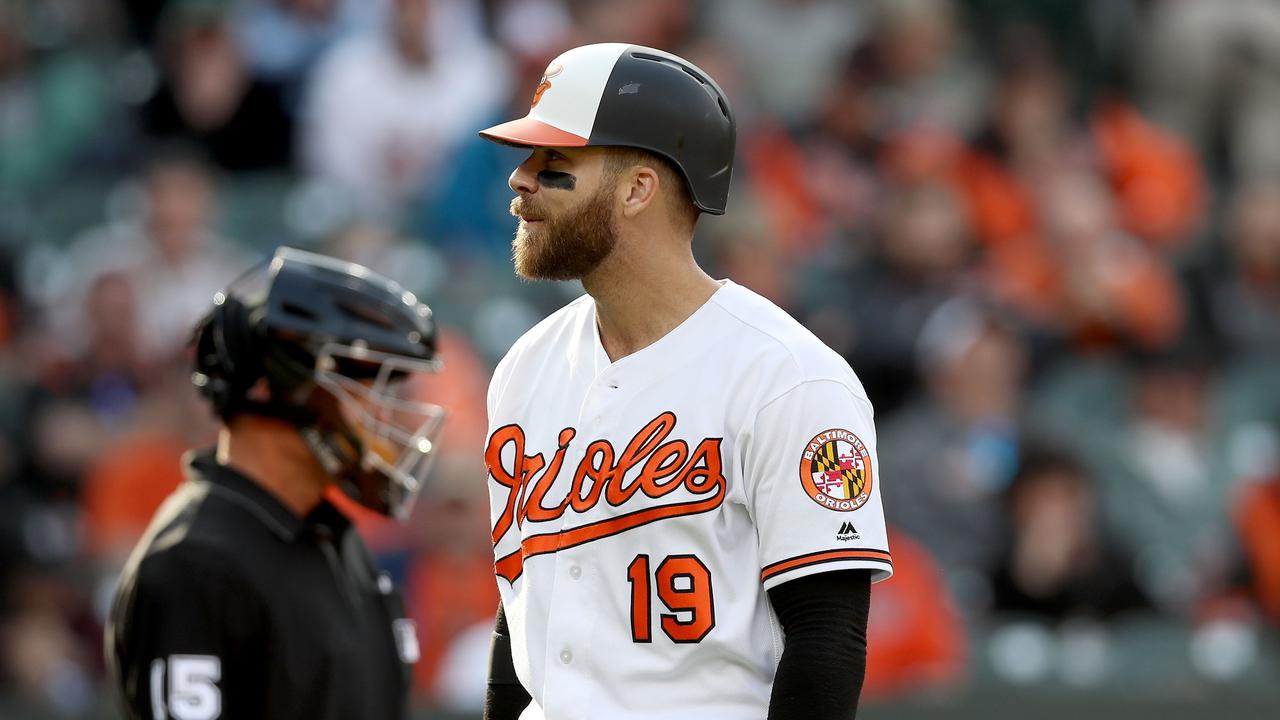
614 94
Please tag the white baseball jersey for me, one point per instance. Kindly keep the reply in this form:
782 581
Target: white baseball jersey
641 508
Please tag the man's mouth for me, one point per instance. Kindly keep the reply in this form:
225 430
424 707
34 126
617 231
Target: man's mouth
522 210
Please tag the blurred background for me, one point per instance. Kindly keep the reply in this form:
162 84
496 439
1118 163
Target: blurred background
1045 233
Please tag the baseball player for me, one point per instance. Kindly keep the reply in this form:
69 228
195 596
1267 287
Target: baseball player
683 480
250 596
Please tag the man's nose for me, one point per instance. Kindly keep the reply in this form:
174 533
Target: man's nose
523 179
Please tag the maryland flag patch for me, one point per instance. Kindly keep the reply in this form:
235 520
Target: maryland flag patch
835 470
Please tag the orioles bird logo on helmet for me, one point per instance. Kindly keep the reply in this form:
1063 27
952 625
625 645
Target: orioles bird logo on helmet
552 71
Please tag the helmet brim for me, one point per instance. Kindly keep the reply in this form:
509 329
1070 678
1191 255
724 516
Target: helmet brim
528 132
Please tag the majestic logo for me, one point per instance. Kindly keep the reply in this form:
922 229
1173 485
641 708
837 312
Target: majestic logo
553 70
601 476
847 532
835 470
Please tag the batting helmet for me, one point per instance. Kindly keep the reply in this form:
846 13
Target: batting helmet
614 94
334 342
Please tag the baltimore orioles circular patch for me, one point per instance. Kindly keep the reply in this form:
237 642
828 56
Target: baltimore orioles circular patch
835 470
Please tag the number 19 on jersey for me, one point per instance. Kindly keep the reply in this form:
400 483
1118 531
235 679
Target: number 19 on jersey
683 586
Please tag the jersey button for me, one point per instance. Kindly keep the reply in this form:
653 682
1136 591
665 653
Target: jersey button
575 572
566 657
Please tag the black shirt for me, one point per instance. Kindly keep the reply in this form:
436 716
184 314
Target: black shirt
231 606
258 134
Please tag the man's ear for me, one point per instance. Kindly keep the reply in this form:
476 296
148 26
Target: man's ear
638 188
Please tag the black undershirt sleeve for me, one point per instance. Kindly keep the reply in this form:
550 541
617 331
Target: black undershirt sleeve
818 650
505 698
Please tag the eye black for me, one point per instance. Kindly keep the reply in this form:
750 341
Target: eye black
557 180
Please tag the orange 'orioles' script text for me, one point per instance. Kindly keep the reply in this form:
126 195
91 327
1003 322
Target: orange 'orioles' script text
601 475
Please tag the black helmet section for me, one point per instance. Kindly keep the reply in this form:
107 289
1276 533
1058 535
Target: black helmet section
318 300
228 356
300 313
272 321
658 102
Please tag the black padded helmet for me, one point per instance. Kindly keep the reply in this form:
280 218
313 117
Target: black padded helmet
614 94
334 343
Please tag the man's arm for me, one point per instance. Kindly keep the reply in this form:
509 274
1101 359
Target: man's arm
505 697
177 640
824 617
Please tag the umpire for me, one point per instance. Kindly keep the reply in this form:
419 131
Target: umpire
250 596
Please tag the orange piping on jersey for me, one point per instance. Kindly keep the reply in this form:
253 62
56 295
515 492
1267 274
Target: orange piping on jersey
699 472
512 565
782 566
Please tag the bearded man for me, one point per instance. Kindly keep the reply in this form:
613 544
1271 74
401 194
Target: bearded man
683 480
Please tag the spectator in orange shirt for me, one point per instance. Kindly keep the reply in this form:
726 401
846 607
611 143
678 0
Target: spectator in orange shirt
915 637
1256 514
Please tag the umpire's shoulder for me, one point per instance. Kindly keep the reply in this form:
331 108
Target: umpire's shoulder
181 589
188 542
187 567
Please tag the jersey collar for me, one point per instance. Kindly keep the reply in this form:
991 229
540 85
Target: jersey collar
689 328
257 501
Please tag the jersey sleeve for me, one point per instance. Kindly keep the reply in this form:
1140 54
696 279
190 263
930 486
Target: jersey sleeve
180 641
813 486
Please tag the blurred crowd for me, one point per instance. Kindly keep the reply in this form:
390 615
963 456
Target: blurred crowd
1045 234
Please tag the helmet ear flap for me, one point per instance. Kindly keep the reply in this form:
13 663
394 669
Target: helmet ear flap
228 356
240 348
